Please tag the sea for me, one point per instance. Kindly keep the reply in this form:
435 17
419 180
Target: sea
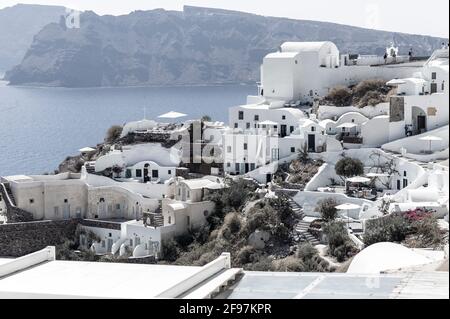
40 127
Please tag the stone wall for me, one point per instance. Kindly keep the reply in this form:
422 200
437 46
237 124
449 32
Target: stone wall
19 239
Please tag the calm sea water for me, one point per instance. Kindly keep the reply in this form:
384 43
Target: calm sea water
39 127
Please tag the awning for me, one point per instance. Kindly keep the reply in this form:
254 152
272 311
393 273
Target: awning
358 179
172 115
87 150
431 138
347 206
396 82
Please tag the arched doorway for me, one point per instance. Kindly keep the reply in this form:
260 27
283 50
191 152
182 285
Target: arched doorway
419 120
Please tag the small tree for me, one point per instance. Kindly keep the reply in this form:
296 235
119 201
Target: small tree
340 96
327 209
113 133
206 118
349 167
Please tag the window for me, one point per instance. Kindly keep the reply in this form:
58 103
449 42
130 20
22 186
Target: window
188 220
237 167
283 117
398 185
188 194
138 173
236 125
433 75
205 213
241 115
256 117
353 120
245 146
291 129
179 191
102 200
443 86
292 149
229 149
117 206
228 164
31 200
128 173
169 172
66 200
155 173
313 128
169 220
296 61
248 125
405 173
252 166
405 183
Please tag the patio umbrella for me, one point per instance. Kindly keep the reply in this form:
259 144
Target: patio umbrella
347 207
430 138
172 115
358 179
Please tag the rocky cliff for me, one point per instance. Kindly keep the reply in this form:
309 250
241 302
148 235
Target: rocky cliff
196 46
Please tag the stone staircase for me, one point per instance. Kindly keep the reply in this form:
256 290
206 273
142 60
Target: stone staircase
302 228
10 194
13 213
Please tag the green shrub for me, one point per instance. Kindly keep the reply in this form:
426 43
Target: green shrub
327 209
340 96
170 250
349 167
393 228
289 264
247 254
113 133
339 243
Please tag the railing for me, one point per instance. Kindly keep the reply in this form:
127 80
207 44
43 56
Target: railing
46 254
353 139
205 272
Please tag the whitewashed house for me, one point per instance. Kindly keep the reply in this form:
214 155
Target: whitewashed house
150 162
303 71
185 207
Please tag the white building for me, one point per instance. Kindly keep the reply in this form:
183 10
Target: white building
150 162
303 71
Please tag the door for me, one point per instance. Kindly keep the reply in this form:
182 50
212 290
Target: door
433 88
66 211
247 168
268 178
109 244
283 131
311 143
155 173
421 123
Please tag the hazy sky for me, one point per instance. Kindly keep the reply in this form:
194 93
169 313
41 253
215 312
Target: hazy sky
429 17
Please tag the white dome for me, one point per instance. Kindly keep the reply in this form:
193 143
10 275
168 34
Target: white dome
385 256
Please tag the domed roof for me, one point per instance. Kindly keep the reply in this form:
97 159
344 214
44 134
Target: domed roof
385 256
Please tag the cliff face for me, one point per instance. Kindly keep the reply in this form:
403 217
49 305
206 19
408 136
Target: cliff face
18 25
196 46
